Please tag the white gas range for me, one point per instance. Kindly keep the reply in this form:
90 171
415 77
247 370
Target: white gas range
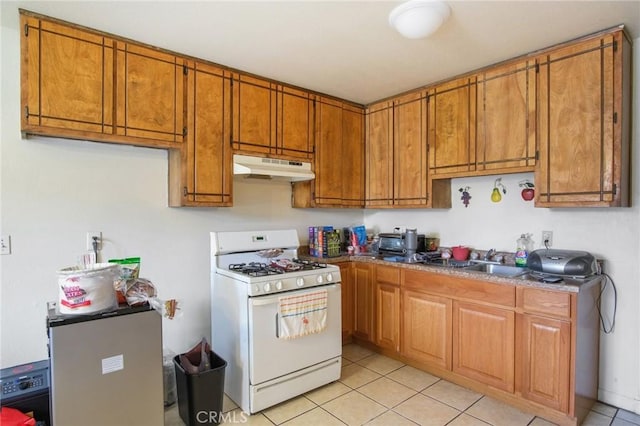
274 319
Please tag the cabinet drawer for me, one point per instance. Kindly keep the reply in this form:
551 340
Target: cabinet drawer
461 288
554 303
388 274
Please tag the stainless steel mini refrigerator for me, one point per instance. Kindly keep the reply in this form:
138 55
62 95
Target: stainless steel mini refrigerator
106 369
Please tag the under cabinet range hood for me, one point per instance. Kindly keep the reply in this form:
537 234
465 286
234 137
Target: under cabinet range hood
293 171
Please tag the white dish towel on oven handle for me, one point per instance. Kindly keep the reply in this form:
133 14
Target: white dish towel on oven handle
303 314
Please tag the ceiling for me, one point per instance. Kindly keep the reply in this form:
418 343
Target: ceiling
346 48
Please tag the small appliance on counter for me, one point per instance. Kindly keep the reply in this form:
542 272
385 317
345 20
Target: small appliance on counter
26 388
394 244
564 263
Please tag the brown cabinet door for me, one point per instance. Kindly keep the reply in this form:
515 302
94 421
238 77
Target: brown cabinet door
67 81
295 129
483 344
150 95
338 158
580 115
426 331
410 150
346 274
254 115
387 316
387 307
379 155
545 345
203 177
352 171
452 123
328 158
363 294
506 118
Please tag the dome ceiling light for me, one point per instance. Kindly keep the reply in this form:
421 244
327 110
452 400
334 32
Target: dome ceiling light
419 18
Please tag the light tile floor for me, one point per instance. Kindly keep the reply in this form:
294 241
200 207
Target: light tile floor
377 390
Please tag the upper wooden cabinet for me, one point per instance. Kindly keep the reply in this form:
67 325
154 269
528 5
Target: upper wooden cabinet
271 120
452 130
201 173
353 148
81 84
67 80
410 150
295 128
328 162
254 115
396 155
379 155
584 124
149 94
338 159
506 121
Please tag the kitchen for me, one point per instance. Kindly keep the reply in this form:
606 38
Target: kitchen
53 193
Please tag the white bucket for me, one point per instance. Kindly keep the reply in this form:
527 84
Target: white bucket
87 290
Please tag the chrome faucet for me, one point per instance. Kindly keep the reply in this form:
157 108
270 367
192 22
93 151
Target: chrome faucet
487 255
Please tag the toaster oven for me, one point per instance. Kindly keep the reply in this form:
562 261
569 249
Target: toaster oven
394 244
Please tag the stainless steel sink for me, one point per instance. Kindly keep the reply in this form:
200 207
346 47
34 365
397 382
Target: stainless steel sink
495 269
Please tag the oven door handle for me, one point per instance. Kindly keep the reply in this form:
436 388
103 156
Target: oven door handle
263 302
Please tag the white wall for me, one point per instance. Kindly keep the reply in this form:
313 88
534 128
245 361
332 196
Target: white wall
610 233
53 191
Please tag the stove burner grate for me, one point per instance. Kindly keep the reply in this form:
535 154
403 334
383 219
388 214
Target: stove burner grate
277 266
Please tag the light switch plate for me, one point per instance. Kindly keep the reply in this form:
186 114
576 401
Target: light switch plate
5 244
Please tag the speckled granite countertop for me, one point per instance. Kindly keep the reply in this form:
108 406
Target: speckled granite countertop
569 284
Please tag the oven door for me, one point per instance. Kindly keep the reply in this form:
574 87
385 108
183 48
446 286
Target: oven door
271 357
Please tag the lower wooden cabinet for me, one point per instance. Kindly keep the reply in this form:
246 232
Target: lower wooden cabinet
363 294
545 349
346 274
484 344
426 330
387 314
544 340
535 347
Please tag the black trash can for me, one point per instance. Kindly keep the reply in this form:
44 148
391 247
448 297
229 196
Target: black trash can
200 395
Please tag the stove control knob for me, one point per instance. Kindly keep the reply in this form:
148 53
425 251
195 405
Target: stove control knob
267 287
279 285
256 289
329 277
319 279
300 282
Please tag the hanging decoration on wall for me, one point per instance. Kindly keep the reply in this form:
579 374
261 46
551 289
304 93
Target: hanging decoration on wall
528 191
465 195
496 197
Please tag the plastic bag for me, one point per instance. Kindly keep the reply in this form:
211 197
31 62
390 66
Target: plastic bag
169 377
197 359
143 291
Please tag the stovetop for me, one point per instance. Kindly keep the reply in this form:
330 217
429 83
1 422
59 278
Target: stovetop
275 267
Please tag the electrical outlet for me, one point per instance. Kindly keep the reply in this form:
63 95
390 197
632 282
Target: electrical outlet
90 236
547 238
5 244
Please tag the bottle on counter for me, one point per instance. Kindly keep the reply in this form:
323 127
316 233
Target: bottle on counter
524 245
